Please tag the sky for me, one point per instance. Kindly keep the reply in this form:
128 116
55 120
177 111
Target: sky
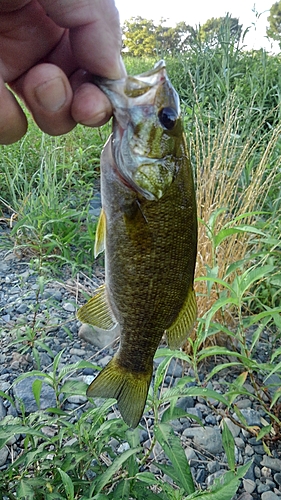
251 14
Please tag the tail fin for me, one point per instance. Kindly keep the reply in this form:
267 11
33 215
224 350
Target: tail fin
129 388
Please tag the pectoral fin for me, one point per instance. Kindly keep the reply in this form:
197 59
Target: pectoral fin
100 234
178 333
97 311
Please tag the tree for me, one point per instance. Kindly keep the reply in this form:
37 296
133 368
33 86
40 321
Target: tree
143 37
212 29
274 19
139 36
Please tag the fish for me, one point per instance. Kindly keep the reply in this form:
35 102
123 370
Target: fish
148 230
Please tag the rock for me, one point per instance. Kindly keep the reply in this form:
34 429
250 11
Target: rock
269 495
249 485
244 403
174 368
251 416
98 337
245 496
234 429
209 438
3 411
77 352
263 488
195 411
277 478
210 479
271 463
4 455
185 403
191 455
213 466
69 307
23 393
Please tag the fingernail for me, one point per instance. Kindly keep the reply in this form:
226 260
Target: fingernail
51 95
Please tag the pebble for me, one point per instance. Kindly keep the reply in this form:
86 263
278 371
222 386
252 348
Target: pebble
69 307
271 463
269 495
209 438
24 395
98 337
4 452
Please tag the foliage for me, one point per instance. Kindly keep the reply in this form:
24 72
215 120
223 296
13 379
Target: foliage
71 456
143 37
274 19
212 28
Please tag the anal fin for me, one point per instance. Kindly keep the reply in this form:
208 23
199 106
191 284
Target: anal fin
178 333
97 311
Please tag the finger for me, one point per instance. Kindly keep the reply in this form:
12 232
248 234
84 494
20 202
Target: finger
13 123
48 95
95 33
90 106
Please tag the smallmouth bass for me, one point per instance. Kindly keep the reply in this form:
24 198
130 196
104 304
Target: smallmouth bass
148 229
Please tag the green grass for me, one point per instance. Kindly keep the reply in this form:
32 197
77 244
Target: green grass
231 108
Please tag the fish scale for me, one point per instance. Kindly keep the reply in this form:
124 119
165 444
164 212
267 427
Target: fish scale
148 228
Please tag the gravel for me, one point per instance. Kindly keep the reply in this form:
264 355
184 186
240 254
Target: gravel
55 319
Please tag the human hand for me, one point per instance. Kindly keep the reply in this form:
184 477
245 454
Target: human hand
48 51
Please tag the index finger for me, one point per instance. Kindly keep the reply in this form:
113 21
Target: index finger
94 31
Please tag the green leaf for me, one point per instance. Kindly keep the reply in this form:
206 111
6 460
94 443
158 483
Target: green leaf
256 274
74 387
173 414
113 468
264 431
225 232
228 445
171 445
24 490
68 484
146 477
7 431
140 491
122 490
36 389
224 487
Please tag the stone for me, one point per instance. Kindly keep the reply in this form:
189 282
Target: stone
263 488
213 466
98 337
245 496
271 463
209 438
234 429
174 368
69 307
269 495
249 485
3 455
210 479
185 403
3 411
23 393
190 455
194 411
277 478
251 416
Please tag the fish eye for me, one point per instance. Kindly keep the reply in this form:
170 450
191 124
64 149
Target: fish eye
168 117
